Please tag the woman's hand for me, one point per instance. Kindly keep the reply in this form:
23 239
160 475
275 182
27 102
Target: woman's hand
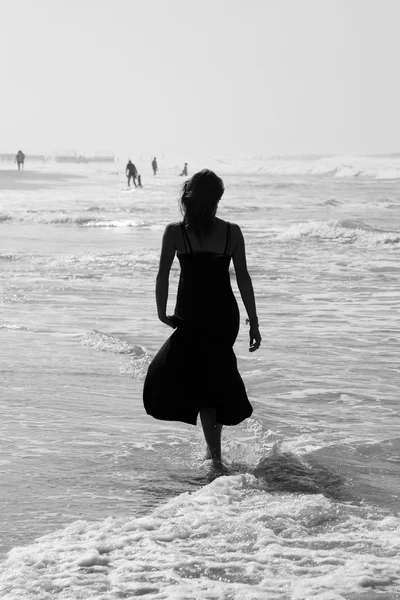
255 338
168 321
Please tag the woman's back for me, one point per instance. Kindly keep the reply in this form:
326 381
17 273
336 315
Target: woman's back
216 242
204 292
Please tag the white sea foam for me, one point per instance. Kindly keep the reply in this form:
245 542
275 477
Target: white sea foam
231 538
375 167
139 357
111 343
115 223
123 223
14 327
136 367
344 231
84 219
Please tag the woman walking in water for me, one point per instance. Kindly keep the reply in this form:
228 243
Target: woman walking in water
195 372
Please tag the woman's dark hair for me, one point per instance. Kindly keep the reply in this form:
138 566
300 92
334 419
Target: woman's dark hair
199 200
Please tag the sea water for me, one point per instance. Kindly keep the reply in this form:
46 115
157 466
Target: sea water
99 500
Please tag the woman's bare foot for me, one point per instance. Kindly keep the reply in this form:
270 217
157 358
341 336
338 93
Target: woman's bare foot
207 455
215 459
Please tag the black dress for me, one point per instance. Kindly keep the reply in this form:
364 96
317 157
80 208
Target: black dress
196 367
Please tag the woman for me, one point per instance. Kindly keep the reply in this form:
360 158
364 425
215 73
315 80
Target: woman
195 371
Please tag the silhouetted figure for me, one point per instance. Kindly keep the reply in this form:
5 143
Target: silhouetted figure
195 371
131 173
184 171
19 159
139 180
154 165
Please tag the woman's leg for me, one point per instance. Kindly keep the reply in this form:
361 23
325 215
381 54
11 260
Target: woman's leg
212 433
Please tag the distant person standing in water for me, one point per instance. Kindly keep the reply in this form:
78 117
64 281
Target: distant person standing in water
154 166
184 171
20 159
195 371
131 173
139 180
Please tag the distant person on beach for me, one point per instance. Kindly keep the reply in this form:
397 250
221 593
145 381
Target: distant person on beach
139 180
195 371
154 166
20 159
131 173
184 171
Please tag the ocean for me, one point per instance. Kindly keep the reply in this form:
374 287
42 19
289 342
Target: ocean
100 501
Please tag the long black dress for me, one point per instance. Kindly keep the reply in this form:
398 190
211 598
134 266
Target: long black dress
196 367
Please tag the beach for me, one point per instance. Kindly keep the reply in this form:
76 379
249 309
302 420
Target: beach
99 500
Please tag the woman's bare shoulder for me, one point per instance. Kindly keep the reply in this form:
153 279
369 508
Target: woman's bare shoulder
172 228
174 225
236 237
171 233
236 232
234 226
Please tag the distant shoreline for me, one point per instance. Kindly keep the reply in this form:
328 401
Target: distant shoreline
60 158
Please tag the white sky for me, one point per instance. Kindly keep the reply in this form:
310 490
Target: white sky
200 77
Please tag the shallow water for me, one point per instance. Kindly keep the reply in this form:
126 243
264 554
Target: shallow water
308 505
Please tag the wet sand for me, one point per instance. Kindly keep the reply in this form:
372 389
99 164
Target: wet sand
12 179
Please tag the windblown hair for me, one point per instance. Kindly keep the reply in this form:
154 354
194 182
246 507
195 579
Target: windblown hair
199 201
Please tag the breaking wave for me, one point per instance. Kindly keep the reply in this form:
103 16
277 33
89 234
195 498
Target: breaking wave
375 167
110 343
232 538
343 231
103 342
8 257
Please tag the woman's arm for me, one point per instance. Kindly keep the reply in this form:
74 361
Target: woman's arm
162 282
245 286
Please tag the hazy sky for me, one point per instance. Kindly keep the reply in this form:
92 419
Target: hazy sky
200 77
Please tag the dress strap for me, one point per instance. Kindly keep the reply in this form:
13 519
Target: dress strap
186 240
228 238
